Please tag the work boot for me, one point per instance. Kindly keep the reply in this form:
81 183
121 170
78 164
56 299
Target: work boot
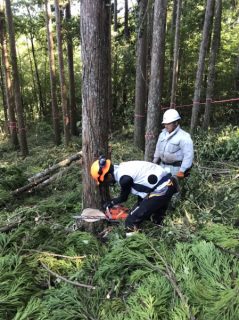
131 231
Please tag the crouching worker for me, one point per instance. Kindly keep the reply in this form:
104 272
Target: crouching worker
153 185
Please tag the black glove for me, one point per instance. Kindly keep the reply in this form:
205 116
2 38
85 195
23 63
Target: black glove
108 204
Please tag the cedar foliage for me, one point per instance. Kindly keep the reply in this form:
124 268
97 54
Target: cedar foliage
188 268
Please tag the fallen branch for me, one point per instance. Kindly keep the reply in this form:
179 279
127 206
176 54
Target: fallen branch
56 166
29 186
41 182
10 226
75 283
55 176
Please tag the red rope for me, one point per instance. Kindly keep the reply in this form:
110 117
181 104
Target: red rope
203 103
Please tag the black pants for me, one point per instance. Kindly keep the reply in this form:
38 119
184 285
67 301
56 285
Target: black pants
154 206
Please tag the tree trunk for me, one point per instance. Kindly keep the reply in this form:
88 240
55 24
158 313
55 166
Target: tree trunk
65 111
9 93
33 77
126 19
156 78
141 78
16 83
172 43
212 62
201 62
37 77
95 46
115 15
176 55
36 67
54 106
4 98
72 95
236 82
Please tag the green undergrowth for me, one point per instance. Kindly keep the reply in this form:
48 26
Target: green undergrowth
186 269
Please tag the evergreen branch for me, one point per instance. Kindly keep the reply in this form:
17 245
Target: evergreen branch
220 248
226 250
54 254
169 274
75 283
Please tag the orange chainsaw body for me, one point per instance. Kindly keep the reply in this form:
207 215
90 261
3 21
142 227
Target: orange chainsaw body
117 212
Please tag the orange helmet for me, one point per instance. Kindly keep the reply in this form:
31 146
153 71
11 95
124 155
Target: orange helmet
99 169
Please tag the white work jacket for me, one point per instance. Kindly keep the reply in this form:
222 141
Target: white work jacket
174 147
139 178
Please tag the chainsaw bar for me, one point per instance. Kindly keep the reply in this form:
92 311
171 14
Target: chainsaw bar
115 214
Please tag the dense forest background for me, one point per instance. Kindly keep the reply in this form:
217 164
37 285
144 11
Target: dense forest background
81 78
34 70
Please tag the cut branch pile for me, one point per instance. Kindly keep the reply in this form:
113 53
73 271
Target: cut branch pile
44 178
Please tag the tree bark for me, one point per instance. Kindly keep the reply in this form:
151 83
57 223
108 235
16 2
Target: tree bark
156 78
201 62
176 55
2 66
141 78
236 82
172 43
40 97
115 15
32 74
212 62
16 82
95 46
126 19
54 106
65 109
72 95
4 98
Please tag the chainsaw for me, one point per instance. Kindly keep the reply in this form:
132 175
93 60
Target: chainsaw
115 214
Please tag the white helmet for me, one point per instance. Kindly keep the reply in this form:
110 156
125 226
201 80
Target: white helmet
170 115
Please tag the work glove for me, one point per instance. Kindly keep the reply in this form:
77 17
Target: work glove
108 204
180 174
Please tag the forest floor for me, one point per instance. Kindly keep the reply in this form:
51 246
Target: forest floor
186 269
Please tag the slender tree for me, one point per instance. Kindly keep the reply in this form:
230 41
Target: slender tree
212 62
236 81
156 78
141 77
126 19
95 46
176 55
38 80
4 99
201 62
32 74
115 15
72 95
172 42
16 82
10 115
54 106
65 109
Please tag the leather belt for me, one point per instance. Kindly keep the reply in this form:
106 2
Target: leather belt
174 164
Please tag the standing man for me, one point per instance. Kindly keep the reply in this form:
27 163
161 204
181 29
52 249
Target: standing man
174 149
153 185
